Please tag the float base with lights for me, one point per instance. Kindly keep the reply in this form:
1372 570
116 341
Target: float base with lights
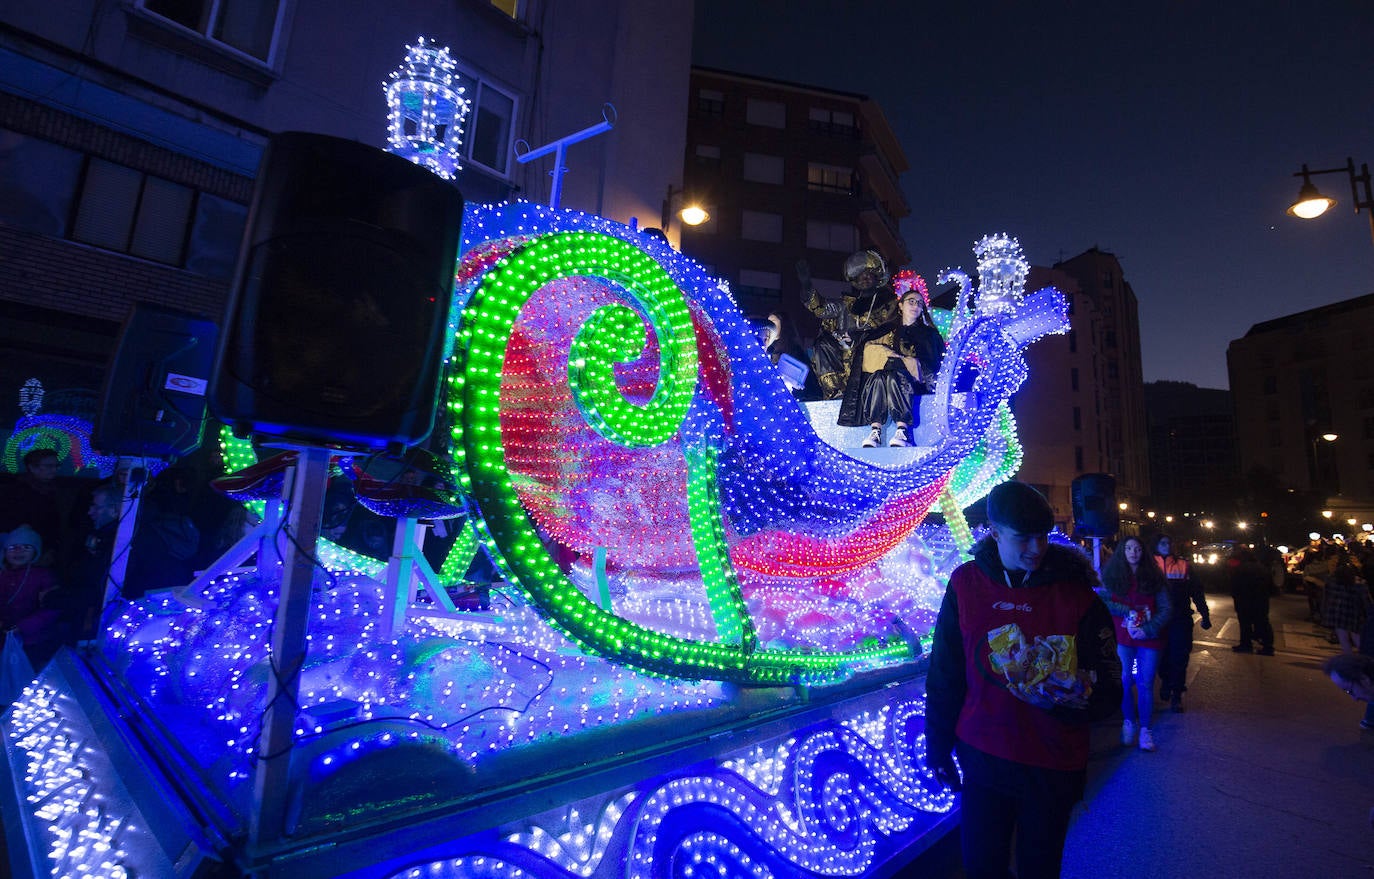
726 676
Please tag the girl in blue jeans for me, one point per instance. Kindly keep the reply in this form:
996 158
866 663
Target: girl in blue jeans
1137 595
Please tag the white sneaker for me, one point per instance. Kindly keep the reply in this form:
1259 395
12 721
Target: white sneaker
874 437
1128 733
1147 741
899 439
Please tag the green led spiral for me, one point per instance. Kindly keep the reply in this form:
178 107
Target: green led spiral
613 334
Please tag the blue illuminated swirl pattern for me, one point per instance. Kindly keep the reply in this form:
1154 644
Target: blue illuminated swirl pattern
835 799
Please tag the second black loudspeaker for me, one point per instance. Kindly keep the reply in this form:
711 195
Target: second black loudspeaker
338 314
153 401
1095 513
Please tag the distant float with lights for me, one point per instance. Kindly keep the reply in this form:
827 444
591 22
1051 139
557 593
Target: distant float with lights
706 653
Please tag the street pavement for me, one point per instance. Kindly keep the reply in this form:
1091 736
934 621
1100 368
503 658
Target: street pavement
1265 775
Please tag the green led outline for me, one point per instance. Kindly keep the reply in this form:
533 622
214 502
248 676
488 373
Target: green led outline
723 593
474 399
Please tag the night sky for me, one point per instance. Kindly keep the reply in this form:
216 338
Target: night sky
1167 134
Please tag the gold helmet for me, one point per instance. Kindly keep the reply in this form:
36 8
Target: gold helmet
865 261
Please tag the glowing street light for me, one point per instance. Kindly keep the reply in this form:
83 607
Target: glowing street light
1311 204
1326 514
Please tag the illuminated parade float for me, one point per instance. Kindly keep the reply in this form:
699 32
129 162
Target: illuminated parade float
703 654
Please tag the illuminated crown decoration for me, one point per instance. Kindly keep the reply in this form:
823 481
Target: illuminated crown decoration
427 109
1002 273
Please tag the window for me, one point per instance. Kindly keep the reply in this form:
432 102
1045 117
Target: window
1073 378
829 178
759 168
760 226
1110 340
708 156
1077 418
1078 458
710 102
215 235
772 114
837 122
494 115
246 26
821 235
37 183
131 212
758 291
1367 397
1271 384
1106 280
1073 340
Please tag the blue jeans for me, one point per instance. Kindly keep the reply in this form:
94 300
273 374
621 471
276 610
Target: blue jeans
1144 661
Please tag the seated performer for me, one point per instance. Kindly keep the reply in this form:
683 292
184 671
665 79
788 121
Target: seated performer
900 362
864 307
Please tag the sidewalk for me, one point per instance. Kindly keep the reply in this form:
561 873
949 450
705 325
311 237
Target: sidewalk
1266 775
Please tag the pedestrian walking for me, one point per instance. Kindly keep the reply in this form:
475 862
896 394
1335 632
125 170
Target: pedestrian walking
1137 596
1250 591
1023 660
1347 605
1185 593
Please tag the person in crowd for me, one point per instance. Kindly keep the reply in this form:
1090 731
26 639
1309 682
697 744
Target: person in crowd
165 540
1347 605
899 366
80 599
1185 593
780 337
1137 595
32 500
1317 566
1023 660
868 304
23 587
1353 673
1250 591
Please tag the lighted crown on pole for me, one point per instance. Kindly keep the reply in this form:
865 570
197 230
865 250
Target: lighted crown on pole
1002 271
427 109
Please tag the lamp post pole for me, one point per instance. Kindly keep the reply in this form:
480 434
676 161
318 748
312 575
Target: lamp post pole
1317 439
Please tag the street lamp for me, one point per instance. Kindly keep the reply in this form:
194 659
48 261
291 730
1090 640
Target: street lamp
1311 204
691 213
1324 437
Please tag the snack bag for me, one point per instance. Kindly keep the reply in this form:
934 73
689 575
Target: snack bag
1006 644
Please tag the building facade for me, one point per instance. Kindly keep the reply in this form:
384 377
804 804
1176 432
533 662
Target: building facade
788 172
130 136
1060 410
1299 379
1194 463
1100 277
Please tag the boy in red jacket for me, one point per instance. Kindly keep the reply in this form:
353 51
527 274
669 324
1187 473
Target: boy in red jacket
1024 659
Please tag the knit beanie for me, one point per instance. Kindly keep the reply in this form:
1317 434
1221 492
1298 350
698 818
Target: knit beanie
1018 506
25 536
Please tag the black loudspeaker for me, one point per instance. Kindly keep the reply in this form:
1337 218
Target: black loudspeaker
153 401
1095 513
337 318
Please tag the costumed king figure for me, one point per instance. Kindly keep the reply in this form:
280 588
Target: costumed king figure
868 304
